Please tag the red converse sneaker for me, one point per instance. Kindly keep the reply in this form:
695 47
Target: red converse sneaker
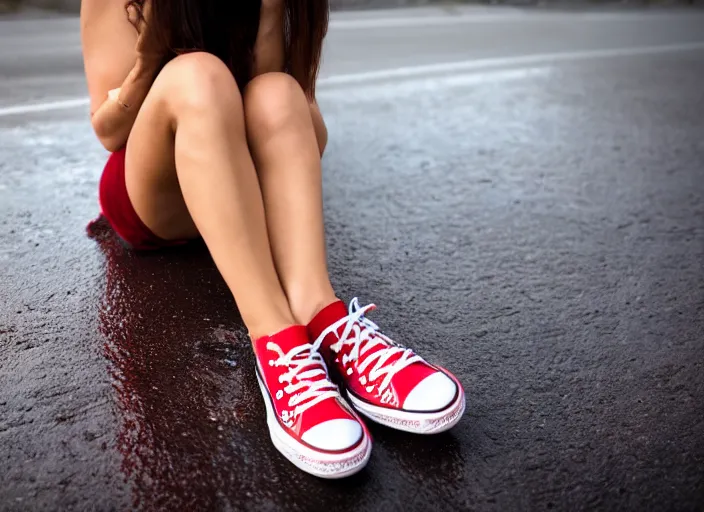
384 381
309 422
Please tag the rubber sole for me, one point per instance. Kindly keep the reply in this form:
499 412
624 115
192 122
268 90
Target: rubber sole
414 422
317 463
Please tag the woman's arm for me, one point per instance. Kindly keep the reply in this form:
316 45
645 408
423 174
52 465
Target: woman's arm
118 76
269 49
113 120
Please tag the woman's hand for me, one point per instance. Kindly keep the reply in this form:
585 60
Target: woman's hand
150 50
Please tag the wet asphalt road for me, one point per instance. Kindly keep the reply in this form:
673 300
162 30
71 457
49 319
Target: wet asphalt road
534 222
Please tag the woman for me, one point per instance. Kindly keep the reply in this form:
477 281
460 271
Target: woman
208 108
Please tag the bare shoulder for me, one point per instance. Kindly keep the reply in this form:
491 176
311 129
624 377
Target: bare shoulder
108 40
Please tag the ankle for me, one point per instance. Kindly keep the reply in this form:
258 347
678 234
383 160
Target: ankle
309 304
269 328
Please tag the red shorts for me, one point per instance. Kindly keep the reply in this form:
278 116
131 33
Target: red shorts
116 207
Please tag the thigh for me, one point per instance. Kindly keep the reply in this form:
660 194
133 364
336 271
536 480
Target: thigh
150 169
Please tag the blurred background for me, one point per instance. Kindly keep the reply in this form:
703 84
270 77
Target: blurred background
74 5
520 188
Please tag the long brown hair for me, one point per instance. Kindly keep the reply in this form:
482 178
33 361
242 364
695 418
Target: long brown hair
228 30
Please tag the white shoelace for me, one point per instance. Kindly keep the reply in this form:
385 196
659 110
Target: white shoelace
313 392
363 335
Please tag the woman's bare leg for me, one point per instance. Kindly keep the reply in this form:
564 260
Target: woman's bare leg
189 171
286 148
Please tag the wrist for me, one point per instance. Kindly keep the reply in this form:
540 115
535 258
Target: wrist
271 6
271 13
146 66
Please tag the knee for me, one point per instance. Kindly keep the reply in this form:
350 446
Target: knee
199 81
273 100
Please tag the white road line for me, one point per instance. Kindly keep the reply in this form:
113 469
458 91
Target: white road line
428 85
51 80
477 18
43 107
417 21
501 62
487 66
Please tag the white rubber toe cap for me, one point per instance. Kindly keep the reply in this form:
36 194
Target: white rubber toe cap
334 435
433 393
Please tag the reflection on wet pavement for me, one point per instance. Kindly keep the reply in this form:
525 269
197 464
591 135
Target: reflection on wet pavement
192 428
179 357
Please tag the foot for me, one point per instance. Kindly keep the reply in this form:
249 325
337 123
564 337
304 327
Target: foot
309 422
384 381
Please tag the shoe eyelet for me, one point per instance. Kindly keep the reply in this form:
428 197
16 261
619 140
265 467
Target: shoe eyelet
271 362
279 395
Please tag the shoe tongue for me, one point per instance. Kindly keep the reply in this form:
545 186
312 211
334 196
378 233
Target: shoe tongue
288 339
327 316
291 338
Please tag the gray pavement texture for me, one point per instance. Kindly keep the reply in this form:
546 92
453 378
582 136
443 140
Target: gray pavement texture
534 222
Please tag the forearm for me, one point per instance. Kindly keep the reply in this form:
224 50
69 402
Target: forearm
114 119
269 49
